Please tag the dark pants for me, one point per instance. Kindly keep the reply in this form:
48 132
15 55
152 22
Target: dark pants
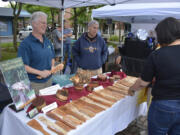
164 117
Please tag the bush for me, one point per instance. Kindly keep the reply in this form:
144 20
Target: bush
114 38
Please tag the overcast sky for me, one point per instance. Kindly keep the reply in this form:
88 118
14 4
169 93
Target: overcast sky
3 4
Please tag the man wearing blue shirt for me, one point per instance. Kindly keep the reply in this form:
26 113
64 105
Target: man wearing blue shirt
37 53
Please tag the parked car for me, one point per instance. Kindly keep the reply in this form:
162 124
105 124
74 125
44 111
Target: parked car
25 32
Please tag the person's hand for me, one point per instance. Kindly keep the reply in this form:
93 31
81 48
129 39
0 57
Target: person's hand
61 66
118 60
45 73
57 68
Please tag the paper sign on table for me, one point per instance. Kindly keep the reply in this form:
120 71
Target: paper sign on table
49 107
98 88
49 90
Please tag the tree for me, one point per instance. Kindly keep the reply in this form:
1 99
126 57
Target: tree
53 15
16 12
51 12
79 16
82 16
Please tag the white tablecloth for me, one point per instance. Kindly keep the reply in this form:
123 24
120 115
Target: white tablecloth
107 122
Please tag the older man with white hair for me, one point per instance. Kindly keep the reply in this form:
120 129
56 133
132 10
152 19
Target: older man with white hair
90 50
37 53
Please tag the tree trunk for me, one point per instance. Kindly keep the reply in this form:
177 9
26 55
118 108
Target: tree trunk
75 23
52 14
59 17
16 7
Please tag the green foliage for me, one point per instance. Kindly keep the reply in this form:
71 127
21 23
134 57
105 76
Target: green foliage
47 10
114 38
8 51
84 14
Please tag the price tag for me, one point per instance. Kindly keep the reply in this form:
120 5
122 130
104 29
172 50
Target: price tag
98 88
49 107
49 90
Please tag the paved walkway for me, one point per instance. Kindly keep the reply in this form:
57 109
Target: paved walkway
137 127
7 39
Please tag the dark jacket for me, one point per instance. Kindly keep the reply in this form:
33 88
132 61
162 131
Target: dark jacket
90 54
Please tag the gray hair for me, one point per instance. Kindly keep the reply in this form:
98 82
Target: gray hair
36 15
93 22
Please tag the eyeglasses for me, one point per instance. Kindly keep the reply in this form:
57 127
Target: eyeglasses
44 23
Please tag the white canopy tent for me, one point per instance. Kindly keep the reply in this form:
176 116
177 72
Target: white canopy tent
138 12
140 15
62 4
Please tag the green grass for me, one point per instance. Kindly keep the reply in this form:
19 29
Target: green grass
8 51
8 55
5 45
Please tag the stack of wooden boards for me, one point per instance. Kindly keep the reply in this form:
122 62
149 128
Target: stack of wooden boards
75 113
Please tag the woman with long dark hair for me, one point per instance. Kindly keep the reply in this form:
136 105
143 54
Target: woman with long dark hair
163 65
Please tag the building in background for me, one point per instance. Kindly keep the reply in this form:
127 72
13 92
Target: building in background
6 21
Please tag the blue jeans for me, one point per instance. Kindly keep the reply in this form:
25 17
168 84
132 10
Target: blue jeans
164 117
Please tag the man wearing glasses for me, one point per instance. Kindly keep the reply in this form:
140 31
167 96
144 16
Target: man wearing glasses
37 53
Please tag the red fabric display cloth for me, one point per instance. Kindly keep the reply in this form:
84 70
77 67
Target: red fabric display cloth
107 83
75 94
121 74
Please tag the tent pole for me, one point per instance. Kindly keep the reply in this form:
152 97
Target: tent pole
62 31
119 32
62 27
